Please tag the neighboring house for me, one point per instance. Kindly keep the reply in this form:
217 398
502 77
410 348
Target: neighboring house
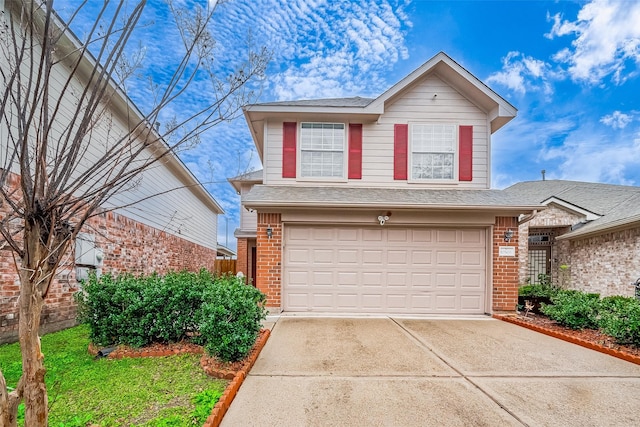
175 230
384 205
587 238
246 233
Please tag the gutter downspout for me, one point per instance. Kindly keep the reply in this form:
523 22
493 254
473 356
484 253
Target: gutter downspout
527 218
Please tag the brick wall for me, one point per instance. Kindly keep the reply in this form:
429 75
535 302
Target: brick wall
607 264
505 268
269 264
129 246
242 258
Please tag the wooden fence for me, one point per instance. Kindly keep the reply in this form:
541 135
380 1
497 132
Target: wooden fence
223 266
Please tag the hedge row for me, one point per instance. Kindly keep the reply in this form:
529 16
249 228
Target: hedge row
616 316
220 312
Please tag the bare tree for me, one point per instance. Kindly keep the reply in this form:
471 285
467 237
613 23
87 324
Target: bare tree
60 99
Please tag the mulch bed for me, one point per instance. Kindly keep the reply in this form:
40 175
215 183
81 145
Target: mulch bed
211 365
589 338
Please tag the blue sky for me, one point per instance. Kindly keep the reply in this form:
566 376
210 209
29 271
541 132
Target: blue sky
570 67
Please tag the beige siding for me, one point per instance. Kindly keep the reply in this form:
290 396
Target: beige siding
248 219
415 105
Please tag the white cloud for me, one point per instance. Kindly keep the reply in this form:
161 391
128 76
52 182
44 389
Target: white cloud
523 74
322 48
607 40
588 155
617 120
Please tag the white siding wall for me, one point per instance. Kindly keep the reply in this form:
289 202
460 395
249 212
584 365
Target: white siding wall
415 105
181 212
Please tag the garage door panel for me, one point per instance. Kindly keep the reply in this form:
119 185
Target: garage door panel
322 278
322 256
347 301
348 235
347 256
469 237
471 303
446 303
348 278
372 278
471 258
446 236
421 236
298 278
372 235
397 257
470 281
384 270
446 257
372 301
372 256
445 280
421 258
298 256
420 281
397 279
322 301
421 303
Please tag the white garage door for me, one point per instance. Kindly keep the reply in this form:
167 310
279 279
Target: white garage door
384 270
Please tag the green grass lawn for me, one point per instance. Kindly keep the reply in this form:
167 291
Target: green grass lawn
163 391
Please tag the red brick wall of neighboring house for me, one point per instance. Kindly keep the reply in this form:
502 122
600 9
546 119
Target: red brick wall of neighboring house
505 268
269 264
129 246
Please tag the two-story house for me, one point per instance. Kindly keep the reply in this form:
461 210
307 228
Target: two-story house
384 205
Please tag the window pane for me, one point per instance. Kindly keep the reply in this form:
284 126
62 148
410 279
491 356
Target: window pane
433 138
322 164
322 149
432 166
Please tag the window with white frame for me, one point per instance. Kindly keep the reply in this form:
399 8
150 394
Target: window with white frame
433 151
322 150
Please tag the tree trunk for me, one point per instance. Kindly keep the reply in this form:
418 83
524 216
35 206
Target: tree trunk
33 371
9 403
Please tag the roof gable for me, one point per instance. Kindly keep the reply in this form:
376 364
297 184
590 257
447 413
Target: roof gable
499 110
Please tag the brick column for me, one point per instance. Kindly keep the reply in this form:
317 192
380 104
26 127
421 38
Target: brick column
505 268
269 264
242 264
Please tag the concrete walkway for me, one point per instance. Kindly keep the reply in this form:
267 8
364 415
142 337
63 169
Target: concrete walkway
401 372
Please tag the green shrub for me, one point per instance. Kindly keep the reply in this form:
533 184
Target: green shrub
574 309
620 318
140 310
230 318
539 291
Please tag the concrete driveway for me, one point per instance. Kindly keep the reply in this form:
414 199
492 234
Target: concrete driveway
401 372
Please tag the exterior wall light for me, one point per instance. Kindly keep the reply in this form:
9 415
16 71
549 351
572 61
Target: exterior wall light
508 235
269 232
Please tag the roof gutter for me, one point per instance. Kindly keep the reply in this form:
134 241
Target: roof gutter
385 205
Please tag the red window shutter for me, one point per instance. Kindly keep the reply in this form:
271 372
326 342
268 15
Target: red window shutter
355 151
289 149
400 143
465 166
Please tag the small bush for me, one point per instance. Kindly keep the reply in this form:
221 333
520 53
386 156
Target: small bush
539 291
230 318
620 318
140 310
574 309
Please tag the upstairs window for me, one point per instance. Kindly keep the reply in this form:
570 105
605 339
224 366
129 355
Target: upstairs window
433 151
322 147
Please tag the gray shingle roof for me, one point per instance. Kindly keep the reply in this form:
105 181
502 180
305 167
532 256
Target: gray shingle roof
299 196
327 102
617 204
249 176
